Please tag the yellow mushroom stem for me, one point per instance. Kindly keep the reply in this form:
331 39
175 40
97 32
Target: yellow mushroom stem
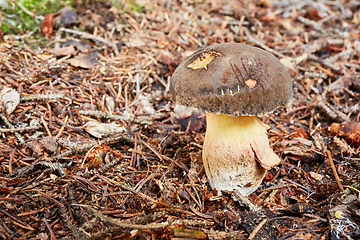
236 152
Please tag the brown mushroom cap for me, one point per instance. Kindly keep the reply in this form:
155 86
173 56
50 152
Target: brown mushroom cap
233 79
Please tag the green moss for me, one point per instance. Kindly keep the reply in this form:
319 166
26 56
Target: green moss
17 21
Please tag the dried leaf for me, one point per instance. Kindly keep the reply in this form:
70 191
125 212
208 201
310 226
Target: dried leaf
134 41
165 57
42 236
110 103
82 47
36 147
300 133
316 176
183 194
320 142
349 130
10 98
46 144
146 105
303 236
84 61
338 86
47 25
49 143
100 130
296 141
181 112
299 150
64 51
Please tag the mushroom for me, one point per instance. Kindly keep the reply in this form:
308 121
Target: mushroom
233 83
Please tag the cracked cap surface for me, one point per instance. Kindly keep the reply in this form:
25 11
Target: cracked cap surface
233 79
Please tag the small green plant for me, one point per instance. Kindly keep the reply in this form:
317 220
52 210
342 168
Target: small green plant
16 21
135 6
127 5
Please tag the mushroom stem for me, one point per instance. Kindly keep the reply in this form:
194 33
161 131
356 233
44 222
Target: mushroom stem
236 152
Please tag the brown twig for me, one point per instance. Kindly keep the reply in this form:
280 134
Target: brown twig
45 125
257 229
184 233
20 129
87 36
118 223
33 97
52 199
17 221
49 228
58 135
299 185
338 181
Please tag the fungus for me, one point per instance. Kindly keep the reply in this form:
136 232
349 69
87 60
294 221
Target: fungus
233 83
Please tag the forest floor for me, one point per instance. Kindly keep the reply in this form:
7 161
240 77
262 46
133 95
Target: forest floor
91 148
